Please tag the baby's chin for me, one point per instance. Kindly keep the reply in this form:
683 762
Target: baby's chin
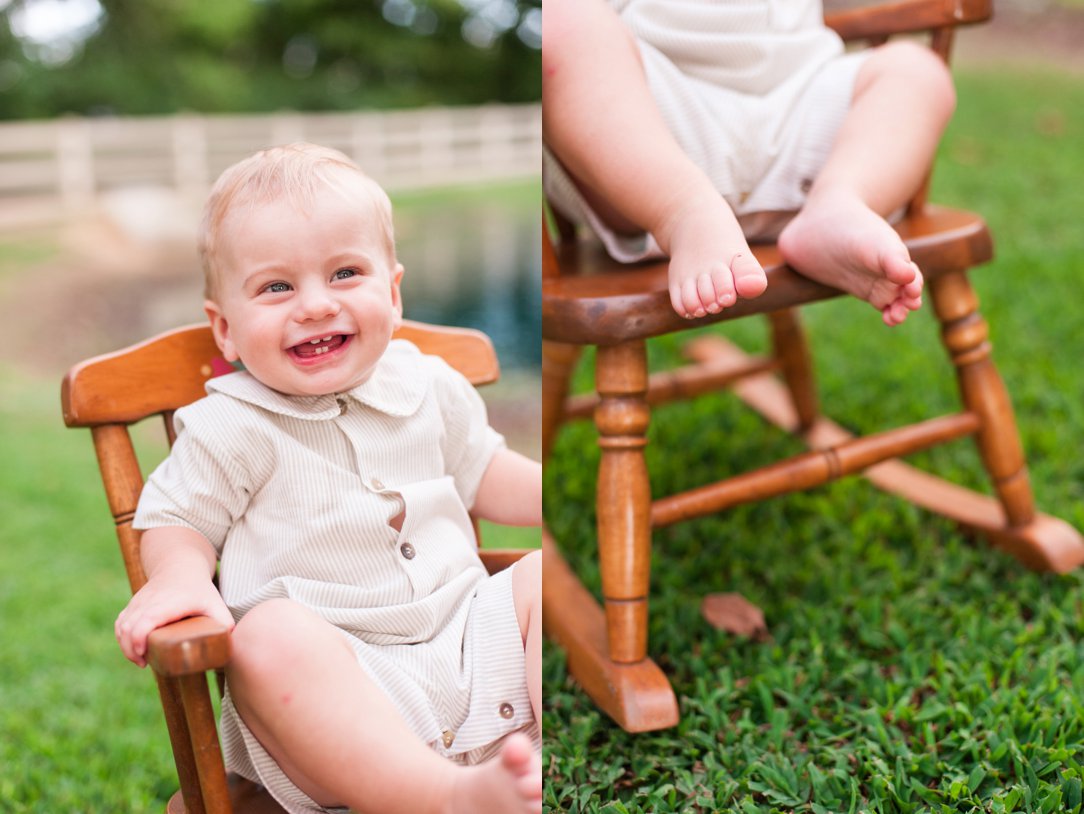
315 386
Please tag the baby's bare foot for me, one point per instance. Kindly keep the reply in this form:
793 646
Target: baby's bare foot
511 782
839 241
711 265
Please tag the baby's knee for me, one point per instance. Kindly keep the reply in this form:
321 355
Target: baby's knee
527 589
528 571
264 636
573 30
527 576
921 68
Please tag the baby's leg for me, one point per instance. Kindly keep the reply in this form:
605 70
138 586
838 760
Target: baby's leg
527 595
301 692
903 98
600 120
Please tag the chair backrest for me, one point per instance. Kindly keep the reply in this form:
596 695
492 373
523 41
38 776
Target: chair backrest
877 22
109 393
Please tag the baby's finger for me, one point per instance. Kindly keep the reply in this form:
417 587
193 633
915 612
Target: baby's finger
222 614
124 630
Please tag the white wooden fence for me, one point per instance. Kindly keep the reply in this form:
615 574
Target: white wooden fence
49 169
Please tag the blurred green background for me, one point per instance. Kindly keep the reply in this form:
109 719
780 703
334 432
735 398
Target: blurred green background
124 57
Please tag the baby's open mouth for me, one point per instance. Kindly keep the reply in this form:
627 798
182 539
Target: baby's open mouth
318 347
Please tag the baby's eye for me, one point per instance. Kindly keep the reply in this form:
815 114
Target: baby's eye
276 288
345 274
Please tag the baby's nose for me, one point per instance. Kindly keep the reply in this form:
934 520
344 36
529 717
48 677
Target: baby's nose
317 304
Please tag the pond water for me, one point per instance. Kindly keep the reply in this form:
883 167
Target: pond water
475 260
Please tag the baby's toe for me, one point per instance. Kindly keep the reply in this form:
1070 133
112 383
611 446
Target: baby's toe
517 754
882 295
913 289
749 277
723 285
690 299
895 313
705 291
898 268
677 301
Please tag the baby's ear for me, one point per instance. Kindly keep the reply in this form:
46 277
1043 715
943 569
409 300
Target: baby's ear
221 330
396 293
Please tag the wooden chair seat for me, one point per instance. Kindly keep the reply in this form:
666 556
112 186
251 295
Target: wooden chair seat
245 797
606 302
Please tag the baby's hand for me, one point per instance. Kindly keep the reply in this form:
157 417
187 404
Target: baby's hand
163 600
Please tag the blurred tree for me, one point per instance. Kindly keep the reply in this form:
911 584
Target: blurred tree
160 56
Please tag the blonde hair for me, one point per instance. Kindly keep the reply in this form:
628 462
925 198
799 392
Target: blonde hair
296 173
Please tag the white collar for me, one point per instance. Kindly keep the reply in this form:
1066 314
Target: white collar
396 387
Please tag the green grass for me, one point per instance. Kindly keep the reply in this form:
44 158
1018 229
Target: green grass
17 251
513 192
80 729
910 668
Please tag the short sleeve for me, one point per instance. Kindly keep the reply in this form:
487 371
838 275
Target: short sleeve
202 485
469 442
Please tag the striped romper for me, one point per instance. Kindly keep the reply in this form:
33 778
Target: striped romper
753 91
296 494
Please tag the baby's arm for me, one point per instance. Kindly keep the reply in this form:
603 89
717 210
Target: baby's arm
180 564
511 490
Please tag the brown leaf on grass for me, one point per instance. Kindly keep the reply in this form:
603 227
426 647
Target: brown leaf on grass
735 614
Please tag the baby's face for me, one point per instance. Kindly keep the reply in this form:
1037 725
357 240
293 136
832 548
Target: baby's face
307 302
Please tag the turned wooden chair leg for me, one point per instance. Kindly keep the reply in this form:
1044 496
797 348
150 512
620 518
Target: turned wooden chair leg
966 337
789 347
181 738
624 497
558 362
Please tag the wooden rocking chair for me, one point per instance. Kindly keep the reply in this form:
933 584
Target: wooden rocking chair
108 394
588 299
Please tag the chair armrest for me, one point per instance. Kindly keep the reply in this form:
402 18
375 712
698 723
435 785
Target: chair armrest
189 646
906 17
